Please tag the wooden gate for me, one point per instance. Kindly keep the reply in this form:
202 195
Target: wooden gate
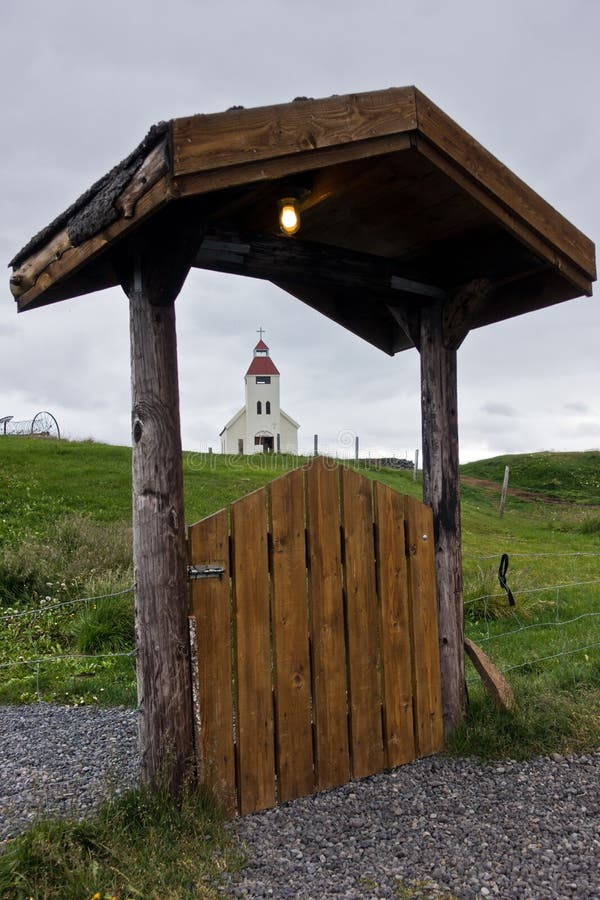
317 648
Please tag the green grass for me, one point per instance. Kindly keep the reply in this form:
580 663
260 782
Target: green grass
549 543
142 845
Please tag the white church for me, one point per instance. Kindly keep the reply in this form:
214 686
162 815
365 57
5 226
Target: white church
261 426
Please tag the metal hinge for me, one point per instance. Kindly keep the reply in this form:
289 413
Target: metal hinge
195 572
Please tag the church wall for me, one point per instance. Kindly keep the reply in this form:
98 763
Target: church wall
229 441
289 436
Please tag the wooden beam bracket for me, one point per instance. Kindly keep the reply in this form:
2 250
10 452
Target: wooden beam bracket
409 320
460 310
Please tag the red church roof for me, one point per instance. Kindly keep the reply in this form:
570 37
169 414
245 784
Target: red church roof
262 364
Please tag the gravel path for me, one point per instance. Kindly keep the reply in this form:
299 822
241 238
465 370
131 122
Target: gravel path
62 760
508 830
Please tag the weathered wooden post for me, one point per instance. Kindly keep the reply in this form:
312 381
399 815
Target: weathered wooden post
437 329
152 275
441 491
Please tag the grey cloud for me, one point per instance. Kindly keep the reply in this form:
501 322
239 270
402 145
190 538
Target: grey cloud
499 409
577 408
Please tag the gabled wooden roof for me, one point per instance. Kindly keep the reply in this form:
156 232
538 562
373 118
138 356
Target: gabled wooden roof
400 207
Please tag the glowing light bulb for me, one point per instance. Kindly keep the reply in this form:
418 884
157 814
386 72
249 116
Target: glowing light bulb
289 217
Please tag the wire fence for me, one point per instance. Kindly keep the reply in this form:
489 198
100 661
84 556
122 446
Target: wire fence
566 612
33 639
547 622
39 610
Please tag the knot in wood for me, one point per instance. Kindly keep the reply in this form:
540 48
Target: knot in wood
173 519
181 650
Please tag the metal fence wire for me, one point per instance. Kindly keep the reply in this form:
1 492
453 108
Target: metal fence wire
568 612
35 662
503 638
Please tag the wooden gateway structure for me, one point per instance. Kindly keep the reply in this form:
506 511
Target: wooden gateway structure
411 235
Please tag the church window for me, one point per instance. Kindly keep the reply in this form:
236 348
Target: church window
263 379
268 407
258 408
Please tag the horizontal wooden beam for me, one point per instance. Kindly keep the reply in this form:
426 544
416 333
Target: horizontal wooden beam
282 259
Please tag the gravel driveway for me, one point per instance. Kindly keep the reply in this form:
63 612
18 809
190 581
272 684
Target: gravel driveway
506 830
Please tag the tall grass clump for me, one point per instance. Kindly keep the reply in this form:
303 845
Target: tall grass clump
104 625
590 526
143 844
483 599
75 552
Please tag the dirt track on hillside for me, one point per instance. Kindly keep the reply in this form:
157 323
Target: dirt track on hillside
488 485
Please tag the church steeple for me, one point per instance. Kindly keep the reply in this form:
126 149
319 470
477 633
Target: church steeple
261 426
262 364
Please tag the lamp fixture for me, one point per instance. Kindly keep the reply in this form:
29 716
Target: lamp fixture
289 216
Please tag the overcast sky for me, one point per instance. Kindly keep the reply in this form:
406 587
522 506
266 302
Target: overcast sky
82 82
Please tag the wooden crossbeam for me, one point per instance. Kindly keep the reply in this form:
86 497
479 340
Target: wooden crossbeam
281 259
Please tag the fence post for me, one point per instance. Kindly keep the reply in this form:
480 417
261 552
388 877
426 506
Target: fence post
504 491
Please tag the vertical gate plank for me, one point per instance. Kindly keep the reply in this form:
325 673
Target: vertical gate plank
429 730
396 661
254 709
293 732
210 604
361 622
327 626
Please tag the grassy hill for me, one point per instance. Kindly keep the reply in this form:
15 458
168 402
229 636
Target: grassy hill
65 533
564 476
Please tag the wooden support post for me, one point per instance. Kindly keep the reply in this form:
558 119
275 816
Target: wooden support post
441 491
152 274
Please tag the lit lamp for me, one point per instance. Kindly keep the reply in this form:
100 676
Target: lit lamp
289 217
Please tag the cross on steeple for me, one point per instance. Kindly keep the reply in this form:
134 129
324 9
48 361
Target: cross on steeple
261 331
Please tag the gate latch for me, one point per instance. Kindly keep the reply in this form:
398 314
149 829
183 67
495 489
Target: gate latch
195 572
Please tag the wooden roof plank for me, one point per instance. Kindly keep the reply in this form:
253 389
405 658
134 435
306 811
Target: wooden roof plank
265 170
71 259
207 142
